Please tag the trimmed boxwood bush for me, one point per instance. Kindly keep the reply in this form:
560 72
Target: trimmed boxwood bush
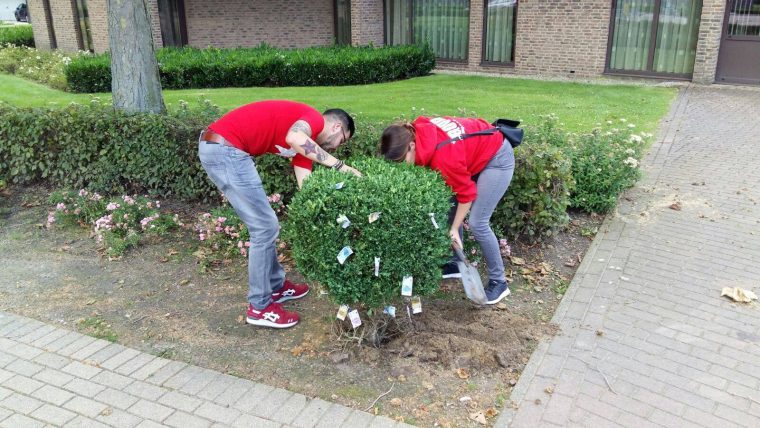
403 237
17 35
182 68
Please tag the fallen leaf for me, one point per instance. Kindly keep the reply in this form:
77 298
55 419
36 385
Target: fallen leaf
600 332
401 378
463 373
501 306
478 417
519 261
396 402
739 294
549 390
107 411
675 206
184 282
571 263
465 399
164 260
172 251
240 319
491 412
537 401
91 302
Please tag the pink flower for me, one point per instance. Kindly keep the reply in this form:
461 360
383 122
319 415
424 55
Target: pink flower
221 219
128 200
248 244
149 205
202 236
240 244
82 192
219 228
158 204
206 215
77 211
61 206
244 252
50 219
112 206
96 197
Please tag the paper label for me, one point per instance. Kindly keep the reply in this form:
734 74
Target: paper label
390 310
374 217
356 321
377 266
342 311
432 219
340 185
416 305
343 254
406 286
343 221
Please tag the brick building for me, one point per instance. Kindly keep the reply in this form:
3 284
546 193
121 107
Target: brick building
700 40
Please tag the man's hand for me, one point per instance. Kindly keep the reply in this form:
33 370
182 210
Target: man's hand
346 168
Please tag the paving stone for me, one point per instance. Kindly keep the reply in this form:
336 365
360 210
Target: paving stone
53 414
81 370
85 406
149 369
83 422
119 418
178 400
52 394
217 413
247 421
111 379
119 359
6 358
24 367
48 359
87 351
290 409
148 410
145 390
357 419
165 372
20 403
22 384
77 345
84 387
253 398
116 398
135 364
21 421
186 420
311 414
269 406
53 377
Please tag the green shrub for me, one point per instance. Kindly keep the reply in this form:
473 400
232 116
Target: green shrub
404 237
537 199
605 162
45 67
17 35
182 68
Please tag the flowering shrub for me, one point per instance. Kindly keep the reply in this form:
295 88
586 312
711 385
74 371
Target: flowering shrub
17 35
223 233
605 162
46 67
118 222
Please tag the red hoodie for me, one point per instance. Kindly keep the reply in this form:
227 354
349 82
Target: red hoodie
460 160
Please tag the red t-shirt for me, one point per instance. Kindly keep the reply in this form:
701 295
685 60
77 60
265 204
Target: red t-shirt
261 127
459 161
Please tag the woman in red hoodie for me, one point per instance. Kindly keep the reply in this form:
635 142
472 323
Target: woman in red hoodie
478 169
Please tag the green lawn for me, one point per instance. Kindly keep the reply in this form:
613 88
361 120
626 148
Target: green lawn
579 106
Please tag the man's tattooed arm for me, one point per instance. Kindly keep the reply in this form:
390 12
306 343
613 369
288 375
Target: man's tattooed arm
299 138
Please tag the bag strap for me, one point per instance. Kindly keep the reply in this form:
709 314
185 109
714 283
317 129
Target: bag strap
489 131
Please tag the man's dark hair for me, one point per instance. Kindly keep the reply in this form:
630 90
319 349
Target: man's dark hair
343 117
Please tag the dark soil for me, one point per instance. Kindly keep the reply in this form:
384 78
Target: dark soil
457 360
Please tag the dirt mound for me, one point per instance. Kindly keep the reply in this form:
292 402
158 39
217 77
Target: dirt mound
456 334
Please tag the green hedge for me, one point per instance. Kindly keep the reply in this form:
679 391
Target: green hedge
403 236
17 35
182 68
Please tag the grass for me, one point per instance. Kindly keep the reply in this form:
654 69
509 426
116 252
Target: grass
98 328
579 106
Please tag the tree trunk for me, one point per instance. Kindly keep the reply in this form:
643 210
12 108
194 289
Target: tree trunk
135 82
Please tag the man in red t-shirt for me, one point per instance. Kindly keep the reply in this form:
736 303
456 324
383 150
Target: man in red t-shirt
287 129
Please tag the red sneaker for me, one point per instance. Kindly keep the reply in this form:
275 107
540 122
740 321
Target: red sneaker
290 291
271 316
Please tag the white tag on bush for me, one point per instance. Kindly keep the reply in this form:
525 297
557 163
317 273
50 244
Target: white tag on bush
416 305
339 186
377 266
356 321
342 311
406 286
343 254
390 310
373 217
343 221
432 219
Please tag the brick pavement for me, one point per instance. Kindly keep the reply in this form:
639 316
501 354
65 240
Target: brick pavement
54 377
646 338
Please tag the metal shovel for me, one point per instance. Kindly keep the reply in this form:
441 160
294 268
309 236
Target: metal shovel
473 286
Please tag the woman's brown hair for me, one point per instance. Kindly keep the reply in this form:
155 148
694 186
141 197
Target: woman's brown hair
394 143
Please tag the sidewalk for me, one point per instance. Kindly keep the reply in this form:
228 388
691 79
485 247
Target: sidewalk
646 338
54 377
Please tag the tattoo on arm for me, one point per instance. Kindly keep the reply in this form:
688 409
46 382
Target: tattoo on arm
321 154
310 147
301 126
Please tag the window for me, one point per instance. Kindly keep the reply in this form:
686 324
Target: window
654 36
444 24
744 19
342 22
499 31
171 15
83 20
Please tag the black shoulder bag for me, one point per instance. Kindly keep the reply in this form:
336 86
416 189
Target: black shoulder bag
507 127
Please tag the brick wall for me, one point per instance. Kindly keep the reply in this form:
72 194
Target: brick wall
559 37
65 24
98 12
280 23
155 23
42 38
710 30
367 22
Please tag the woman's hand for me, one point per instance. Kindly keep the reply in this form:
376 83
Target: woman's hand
346 168
456 241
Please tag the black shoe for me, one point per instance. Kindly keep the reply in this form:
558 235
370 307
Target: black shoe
495 291
451 270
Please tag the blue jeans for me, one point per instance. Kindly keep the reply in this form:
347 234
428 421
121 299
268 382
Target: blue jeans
492 184
234 173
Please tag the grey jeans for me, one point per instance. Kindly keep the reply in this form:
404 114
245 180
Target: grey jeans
492 184
234 173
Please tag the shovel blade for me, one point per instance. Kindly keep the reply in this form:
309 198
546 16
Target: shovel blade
473 286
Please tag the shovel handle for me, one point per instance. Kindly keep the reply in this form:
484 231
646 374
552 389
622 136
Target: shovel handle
458 251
